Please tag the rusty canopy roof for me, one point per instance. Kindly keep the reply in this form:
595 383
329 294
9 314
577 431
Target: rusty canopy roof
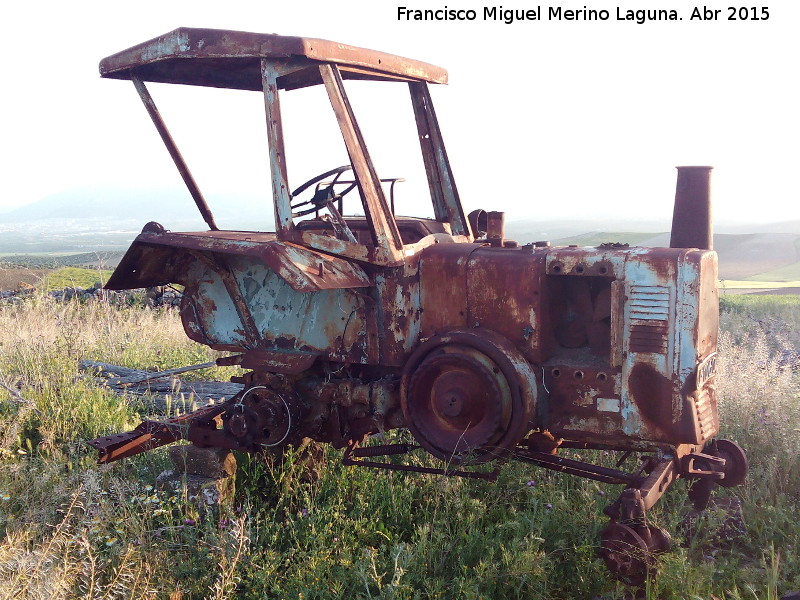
231 59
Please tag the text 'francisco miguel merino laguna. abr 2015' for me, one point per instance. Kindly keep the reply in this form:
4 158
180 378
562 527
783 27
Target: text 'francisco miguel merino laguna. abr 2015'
558 13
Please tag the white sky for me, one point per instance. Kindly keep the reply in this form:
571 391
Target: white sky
540 118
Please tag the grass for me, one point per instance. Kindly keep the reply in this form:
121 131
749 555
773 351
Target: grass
311 528
752 284
74 277
13 278
54 260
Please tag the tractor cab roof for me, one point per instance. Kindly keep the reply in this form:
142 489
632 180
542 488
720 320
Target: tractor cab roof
232 59
271 64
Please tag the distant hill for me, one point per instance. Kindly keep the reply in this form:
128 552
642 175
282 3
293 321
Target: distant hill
103 260
101 222
107 219
760 256
113 208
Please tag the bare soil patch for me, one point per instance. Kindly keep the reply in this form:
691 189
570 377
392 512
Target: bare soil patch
12 278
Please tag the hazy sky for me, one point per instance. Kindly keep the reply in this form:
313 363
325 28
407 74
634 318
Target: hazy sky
541 118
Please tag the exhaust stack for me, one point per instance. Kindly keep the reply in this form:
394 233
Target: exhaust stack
691 217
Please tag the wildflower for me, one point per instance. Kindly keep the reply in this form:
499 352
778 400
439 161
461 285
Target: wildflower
601 493
531 483
304 512
5 496
189 522
548 506
223 523
111 541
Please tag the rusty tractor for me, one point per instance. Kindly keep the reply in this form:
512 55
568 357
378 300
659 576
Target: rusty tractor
484 349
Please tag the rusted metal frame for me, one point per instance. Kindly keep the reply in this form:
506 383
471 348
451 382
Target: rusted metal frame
152 110
446 203
394 449
152 434
690 470
657 482
575 467
382 223
634 502
215 263
277 157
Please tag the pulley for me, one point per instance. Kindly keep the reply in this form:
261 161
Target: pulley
263 418
468 396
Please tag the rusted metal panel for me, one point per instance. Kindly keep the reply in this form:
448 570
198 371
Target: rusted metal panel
335 322
583 400
231 59
443 287
153 259
653 306
505 293
399 311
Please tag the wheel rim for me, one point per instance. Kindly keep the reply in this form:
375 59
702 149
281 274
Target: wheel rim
459 402
625 553
468 396
736 464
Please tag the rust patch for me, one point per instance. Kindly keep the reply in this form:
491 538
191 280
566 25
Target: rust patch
652 393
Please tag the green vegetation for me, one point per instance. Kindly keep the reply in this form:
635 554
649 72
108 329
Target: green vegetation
51 260
756 284
74 277
310 528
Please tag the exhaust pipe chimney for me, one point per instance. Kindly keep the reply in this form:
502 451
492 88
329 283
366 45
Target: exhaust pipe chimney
691 217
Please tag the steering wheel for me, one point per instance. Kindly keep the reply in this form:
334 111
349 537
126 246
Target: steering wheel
323 197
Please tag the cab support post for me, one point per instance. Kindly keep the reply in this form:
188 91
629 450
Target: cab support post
152 110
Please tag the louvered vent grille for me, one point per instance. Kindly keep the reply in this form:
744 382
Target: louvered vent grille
649 302
649 338
649 309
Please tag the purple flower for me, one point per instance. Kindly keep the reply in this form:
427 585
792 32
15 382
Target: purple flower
188 521
548 506
304 512
531 483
